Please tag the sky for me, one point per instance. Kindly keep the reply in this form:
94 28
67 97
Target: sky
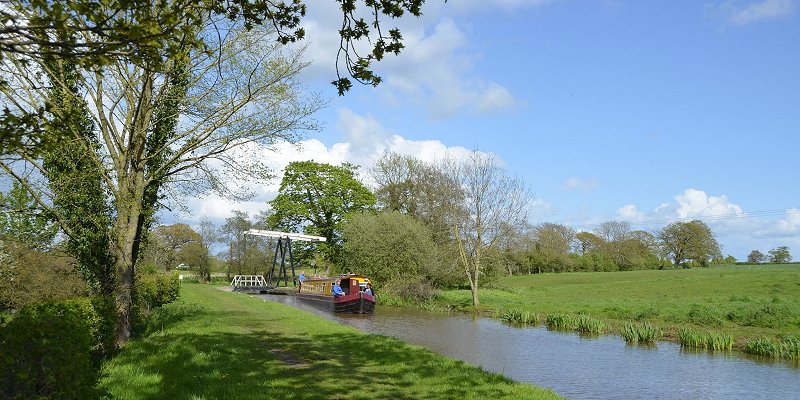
646 112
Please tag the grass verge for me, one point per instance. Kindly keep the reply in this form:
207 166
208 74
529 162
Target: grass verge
217 345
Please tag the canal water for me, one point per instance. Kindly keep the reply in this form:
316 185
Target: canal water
577 367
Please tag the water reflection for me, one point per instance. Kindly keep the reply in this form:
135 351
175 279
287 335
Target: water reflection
603 367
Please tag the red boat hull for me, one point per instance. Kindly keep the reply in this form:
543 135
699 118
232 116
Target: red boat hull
356 303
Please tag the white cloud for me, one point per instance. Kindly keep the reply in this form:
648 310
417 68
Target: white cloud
759 11
495 98
737 230
693 203
365 141
630 213
435 70
580 184
790 224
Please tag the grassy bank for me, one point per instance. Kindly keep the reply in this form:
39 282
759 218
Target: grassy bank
747 302
219 345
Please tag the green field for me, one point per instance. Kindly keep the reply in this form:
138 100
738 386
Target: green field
745 301
219 345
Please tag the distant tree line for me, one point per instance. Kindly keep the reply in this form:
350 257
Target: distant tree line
778 255
460 222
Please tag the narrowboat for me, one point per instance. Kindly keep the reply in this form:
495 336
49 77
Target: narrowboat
354 300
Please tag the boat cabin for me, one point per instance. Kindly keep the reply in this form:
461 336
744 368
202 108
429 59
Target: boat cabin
350 283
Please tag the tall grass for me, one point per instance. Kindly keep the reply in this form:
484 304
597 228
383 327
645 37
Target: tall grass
640 333
789 348
580 323
705 340
561 322
587 324
518 316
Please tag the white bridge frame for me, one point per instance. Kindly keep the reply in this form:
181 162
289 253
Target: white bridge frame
284 248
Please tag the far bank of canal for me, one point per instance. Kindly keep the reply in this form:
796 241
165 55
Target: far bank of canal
602 367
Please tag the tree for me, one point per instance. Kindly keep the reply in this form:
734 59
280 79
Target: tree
689 241
554 238
756 257
315 198
589 242
239 94
411 186
494 205
169 243
233 231
195 256
780 255
551 245
394 250
613 231
22 221
91 34
209 234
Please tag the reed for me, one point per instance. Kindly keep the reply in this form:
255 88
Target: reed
762 347
640 333
789 348
587 324
719 341
563 322
518 316
705 340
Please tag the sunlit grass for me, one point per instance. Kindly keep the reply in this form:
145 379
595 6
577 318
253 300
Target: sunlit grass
745 302
217 345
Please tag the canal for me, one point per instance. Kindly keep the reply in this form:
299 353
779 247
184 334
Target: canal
576 367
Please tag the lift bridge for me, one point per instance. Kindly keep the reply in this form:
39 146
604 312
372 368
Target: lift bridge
260 284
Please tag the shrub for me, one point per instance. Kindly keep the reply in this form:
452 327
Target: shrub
47 350
417 290
155 289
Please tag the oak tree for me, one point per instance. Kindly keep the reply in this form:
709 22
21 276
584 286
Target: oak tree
315 198
688 241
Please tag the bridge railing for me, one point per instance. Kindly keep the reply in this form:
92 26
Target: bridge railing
249 282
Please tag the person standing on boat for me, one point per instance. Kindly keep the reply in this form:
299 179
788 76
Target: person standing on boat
337 290
368 290
301 278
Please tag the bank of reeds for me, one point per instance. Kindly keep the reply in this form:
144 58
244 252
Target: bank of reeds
561 322
705 340
580 323
518 316
587 324
789 348
640 333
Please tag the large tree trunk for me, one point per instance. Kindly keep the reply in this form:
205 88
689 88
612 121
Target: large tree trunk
127 227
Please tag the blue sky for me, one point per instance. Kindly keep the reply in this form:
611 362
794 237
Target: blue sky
610 110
